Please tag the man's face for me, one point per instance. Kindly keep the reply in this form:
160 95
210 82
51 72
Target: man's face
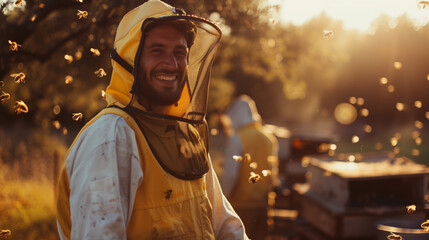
163 65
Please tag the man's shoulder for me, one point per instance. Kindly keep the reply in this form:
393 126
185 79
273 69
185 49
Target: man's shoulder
107 126
108 120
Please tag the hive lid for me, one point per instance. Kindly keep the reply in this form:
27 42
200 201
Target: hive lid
367 165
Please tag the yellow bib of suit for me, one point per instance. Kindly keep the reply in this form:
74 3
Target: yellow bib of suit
165 207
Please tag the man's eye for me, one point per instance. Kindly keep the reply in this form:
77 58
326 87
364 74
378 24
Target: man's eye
181 53
156 50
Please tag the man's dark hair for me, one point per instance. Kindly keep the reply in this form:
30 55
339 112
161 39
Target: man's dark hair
184 26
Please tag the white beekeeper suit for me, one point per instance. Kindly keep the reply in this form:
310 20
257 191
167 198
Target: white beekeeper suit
135 174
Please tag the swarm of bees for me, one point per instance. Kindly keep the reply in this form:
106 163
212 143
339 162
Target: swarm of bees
20 106
254 177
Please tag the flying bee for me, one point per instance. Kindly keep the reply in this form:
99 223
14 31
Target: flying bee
100 73
19 2
168 194
425 226
266 172
328 34
69 58
77 116
68 79
20 107
253 165
95 51
423 4
82 14
254 177
56 124
411 208
13 46
5 233
393 236
247 158
4 96
237 158
18 77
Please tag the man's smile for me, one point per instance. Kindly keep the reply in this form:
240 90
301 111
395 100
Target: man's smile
165 79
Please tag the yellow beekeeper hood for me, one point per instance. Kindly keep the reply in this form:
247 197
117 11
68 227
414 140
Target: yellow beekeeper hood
125 56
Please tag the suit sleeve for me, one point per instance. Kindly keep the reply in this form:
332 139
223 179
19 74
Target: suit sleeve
104 173
226 223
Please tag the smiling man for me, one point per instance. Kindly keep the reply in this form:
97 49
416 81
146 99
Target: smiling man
163 62
140 168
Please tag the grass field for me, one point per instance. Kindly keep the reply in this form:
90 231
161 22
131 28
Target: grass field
28 166
27 206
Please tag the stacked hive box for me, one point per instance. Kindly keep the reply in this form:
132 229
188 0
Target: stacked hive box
346 194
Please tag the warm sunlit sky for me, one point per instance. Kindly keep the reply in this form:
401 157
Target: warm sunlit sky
356 14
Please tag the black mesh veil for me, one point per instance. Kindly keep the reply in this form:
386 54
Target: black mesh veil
206 37
178 139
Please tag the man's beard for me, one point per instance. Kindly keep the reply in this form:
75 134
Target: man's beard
153 96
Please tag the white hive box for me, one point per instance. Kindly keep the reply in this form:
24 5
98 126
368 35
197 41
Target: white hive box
345 198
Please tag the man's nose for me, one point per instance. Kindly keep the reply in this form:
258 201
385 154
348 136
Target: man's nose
170 61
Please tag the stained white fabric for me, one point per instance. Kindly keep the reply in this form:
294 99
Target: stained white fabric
104 173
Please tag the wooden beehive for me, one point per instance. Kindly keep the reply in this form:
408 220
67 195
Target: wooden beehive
347 193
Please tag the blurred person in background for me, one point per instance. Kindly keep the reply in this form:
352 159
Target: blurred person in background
140 168
250 200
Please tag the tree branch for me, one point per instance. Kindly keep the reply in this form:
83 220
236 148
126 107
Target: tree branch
44 57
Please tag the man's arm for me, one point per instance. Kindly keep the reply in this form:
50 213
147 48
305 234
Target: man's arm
104 173
226 223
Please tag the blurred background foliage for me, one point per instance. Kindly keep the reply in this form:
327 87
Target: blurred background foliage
295 74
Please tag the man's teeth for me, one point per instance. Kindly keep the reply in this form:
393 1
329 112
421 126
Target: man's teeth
166 77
